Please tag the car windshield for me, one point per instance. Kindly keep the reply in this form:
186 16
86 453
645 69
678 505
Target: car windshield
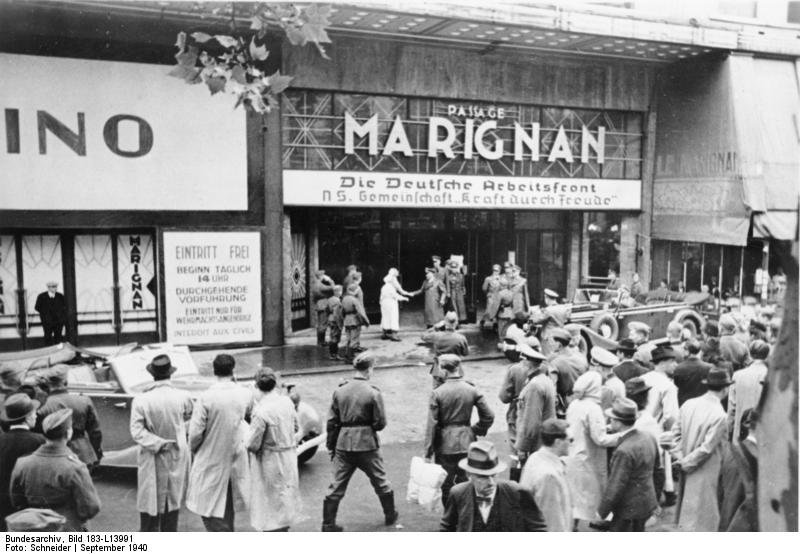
131 369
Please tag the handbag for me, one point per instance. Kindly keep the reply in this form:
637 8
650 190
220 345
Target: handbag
424 484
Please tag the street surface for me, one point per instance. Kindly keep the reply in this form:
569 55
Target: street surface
405 392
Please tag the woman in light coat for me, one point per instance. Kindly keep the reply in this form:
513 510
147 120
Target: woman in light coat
587 463
274 483
391 294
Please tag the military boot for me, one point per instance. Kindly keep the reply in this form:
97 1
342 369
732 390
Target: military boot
333 350
321 338
389 512
329 509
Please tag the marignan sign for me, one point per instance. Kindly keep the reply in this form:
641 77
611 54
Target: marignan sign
415 190
117 136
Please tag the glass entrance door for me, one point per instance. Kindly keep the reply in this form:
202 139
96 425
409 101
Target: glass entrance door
41 263
544 260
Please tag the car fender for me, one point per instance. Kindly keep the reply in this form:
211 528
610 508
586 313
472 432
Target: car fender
592 338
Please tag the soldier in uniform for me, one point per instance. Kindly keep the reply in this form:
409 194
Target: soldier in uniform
444 339
351 274
553 316
565 363
454 282
355 417
86 435
491 287
54 478
449 432
335 319
519 289
321 290
354 318
535 404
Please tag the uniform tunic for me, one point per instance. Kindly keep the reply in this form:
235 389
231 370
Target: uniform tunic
53 477
536 404
434 292
275 486
491 286
158 417
454 281
320 292
514 381
216 437
86 435
449 429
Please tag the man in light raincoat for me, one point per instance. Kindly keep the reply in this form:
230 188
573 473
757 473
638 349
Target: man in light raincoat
216 439
158 424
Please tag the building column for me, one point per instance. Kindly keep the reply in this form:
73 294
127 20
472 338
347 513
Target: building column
574 270
274 244
643 227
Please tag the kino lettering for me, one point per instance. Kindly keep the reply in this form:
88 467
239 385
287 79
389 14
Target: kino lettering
76 140
474 140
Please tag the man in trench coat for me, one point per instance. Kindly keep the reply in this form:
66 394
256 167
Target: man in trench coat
216 438
158 425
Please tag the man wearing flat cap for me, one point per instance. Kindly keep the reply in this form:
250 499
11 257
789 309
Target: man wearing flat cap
536 403
698 444
53 477
486 503
19 416
216 441
629 493
449 431
552 316
354 419
52 309
159 418
87 438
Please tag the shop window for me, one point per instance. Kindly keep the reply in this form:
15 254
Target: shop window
540 220
603 231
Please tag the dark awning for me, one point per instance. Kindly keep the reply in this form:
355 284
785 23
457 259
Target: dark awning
727 150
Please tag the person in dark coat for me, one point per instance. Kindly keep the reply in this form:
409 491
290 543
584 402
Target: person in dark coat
690 373
435 297
449 431
9 384
52 309
732 349
86 441
19 414
335 319
629 494
485 503
628 368
354 318
321 290
491 287
54 478
535 404
444 339
355 417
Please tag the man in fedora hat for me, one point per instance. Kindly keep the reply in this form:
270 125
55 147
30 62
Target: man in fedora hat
355 417
19 416
697 447
536 403
87 438
485 503
545 475
220 461
53 477
10 383
52 309
663 400
159 418
449 431
629 493
627 368
637 390
690 373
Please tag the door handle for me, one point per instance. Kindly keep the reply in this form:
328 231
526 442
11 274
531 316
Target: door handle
121 405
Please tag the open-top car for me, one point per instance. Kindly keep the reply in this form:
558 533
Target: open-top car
113 382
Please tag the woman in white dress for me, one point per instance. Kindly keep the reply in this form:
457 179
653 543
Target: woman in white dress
275 488
391 295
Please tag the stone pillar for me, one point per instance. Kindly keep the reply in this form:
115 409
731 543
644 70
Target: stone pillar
286 230
274 242
575 226
644 262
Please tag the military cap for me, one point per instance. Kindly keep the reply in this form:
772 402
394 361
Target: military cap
639 326
430 270
364 361
35 519
530 353
435 257
603 357
561 335
57 420
223 364
449 362
533 342
551 293
555 428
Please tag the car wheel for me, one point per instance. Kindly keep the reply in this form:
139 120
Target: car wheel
307 455
691 320
606 326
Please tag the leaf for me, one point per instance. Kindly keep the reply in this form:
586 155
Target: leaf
183 72
216 84
200 37
259 53
180 42
278 83
188 58
315 33
296 36
226 41
238 75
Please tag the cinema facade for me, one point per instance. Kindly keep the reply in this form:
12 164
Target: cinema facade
168 216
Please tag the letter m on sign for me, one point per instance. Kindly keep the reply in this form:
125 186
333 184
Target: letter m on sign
351 128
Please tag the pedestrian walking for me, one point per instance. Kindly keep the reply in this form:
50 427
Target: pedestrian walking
699 435
536 403
355 417
87 438
588 457
491 288
629 494
354 318
335 319
485 503
545 475
216 439
435 297
52 309
272 442
159 417
690 373
19 415
391 296
449 431
54 478
321 290
444 339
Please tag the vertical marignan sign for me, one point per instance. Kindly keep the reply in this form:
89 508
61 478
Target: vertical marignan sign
213 287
